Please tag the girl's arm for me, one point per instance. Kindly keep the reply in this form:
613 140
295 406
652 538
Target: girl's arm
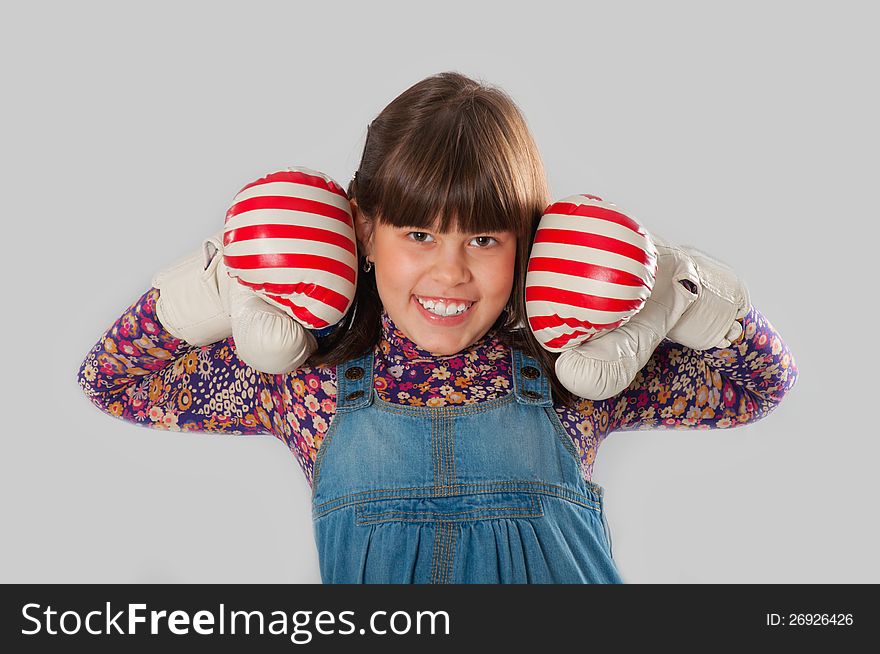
716 388
140 373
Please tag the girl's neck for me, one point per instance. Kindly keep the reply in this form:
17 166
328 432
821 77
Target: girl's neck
396 345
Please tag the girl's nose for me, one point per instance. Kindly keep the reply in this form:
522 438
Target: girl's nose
450 269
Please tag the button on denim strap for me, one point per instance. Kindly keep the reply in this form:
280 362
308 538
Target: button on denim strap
354 383
529 381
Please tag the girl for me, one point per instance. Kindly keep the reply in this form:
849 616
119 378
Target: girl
439 454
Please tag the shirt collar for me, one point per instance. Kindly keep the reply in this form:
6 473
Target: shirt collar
397 347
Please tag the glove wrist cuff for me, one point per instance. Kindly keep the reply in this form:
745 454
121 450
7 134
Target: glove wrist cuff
723 298
189 305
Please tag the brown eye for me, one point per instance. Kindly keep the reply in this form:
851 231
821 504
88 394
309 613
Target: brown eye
486 238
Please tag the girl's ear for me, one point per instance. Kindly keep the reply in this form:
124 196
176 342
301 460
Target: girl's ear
363 228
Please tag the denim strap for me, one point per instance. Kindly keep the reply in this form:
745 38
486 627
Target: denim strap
529 381
354 383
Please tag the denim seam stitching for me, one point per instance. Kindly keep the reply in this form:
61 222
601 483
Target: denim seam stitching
344 501
449 476
450 551
534 510
441 544
444 551
435 455
435 555
461 486
444 456
454 475
572 448
476 514
564 436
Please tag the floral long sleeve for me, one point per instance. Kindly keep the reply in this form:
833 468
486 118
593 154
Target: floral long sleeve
717 388
140 373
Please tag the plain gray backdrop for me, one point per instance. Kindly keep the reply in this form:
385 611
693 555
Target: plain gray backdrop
747 130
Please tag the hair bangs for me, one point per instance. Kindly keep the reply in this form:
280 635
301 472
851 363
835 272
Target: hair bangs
465 177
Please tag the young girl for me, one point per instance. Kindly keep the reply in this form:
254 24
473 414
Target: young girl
438 454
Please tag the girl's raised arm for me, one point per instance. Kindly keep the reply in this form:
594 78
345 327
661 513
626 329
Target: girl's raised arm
140 373
703 389
290 235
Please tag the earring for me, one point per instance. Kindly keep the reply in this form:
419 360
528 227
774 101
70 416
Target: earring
368 265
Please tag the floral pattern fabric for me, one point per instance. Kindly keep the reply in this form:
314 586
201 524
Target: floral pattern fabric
140 373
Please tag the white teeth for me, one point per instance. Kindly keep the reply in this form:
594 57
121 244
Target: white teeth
440 308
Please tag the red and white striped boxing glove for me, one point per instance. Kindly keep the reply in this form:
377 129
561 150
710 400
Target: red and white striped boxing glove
590 286
590 270
289 240
593 309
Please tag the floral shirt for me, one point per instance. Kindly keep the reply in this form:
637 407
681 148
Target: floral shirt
140 373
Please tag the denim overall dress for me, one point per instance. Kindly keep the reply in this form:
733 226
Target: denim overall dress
481 493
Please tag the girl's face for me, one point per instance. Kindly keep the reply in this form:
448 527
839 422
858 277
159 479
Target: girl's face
443 270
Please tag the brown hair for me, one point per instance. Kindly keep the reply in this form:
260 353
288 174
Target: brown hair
452 147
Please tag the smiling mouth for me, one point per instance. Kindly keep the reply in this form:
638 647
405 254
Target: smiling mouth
444 308
449 320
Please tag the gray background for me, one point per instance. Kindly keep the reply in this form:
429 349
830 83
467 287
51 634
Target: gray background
749 131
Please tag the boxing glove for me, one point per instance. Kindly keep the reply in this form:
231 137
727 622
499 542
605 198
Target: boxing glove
591 268
193 303
290 238
607 365
693 300
199 303
714 319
